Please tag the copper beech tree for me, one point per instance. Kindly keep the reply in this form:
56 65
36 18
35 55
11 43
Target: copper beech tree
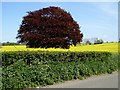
49 27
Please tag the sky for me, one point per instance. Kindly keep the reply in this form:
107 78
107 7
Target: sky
96 19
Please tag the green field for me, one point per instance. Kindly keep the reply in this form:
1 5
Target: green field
108 47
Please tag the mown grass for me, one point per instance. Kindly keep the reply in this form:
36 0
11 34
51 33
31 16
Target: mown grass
105 47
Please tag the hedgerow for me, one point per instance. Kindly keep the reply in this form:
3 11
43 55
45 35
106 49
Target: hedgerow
34 57
32 69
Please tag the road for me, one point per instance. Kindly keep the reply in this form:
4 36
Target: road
103 81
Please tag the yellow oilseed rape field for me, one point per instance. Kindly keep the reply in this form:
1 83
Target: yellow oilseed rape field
106 47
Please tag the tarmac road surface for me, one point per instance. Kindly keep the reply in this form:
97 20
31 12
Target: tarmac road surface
102 81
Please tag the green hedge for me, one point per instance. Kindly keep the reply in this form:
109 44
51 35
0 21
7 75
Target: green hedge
46 68
0 78
9 58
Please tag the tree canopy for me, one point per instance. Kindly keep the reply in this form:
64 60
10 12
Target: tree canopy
49 27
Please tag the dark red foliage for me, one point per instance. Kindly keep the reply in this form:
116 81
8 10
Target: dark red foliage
49 27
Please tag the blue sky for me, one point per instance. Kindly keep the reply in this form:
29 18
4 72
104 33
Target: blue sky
96 19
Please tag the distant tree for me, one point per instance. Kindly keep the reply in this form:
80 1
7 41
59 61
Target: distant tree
88 42
49 27
101 41
9 43
119 40
98 41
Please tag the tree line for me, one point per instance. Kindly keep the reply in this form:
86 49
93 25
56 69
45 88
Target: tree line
97 41
9 43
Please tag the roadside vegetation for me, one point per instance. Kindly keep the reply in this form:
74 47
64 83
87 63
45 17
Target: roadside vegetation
31 69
